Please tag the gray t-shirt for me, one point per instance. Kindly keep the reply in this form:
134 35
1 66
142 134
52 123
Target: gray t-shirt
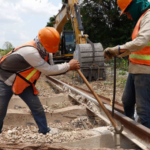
27 57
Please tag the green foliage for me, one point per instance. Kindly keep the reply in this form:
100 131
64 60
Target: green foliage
7 47
67 27
122 72
51 21
103 23
4 52
121 63
121 82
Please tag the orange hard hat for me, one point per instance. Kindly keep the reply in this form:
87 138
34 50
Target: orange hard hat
123 4
49 38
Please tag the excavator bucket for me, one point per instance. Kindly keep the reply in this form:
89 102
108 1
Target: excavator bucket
91 59
89 55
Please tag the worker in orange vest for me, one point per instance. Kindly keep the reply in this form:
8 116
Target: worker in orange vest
137 89
21 68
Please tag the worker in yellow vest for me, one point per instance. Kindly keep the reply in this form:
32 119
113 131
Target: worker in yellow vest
137 90
21 68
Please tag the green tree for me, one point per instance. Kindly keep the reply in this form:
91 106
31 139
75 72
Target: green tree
68 26
7 47
51 21
103 23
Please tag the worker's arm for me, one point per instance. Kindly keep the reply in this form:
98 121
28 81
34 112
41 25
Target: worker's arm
51 59
32 56
138 43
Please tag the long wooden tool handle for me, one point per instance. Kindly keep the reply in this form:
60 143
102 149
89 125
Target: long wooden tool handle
98 99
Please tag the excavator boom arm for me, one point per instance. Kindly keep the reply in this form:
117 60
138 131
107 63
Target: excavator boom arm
90 55
70 10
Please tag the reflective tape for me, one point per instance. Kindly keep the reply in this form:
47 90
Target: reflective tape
142 57
148 44
31 74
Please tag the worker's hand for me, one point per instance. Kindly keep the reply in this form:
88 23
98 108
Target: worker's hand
74 64
110 52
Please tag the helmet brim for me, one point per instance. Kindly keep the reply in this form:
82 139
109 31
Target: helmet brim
52 50
121 13
125 8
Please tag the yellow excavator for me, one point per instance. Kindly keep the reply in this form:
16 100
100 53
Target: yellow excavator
76 44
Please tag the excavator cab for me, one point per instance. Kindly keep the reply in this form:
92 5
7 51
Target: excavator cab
67 43
66 47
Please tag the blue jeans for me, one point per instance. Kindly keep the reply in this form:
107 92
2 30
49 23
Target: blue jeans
137 92
30 99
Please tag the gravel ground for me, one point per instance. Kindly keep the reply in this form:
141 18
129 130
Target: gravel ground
28 135
61 132
104 88
64 132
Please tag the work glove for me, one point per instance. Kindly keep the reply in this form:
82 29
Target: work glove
110 52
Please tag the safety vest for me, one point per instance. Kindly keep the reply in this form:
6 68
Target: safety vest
141 57
27 77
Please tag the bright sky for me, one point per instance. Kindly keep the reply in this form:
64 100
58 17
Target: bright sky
20 20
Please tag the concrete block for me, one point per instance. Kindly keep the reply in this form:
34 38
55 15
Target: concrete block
102 138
